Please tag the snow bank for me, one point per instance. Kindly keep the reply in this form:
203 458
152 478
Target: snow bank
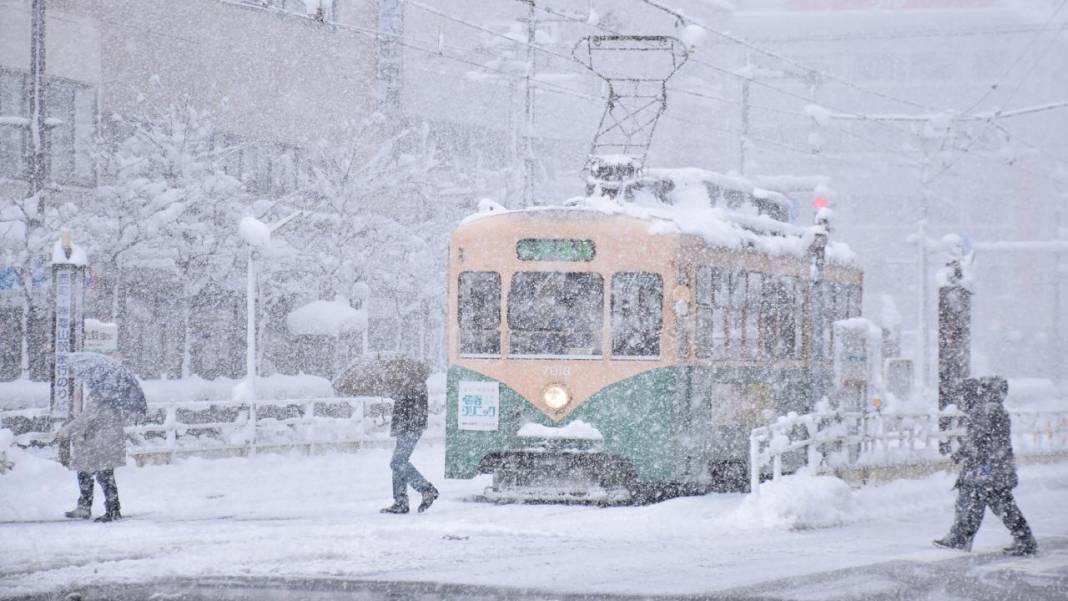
326 318
23 394
273 387
576 430
798 502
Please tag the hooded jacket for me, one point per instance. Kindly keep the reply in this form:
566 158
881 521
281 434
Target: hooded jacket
985 453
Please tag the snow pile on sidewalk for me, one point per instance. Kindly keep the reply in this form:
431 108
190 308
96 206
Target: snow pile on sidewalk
798 502
6 440
24 394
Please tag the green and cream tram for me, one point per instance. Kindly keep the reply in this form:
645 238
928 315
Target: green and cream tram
594 352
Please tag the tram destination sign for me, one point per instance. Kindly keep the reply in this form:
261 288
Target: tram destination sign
555 249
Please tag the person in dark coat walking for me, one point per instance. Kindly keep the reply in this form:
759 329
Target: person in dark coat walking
93 443
407 426
988 469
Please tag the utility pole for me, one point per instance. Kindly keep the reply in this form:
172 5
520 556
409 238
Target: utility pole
37 153
528 112
743 140
923 327
1058 334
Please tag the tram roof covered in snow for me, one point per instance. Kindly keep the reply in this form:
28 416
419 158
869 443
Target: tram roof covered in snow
715 225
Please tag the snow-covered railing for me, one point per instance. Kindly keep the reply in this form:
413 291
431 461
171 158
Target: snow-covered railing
192 427
830 440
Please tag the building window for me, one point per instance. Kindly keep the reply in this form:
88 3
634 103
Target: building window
316 9
13 110
637 314
71 110
266 168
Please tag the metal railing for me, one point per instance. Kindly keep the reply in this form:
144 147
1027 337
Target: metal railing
232 427
831 440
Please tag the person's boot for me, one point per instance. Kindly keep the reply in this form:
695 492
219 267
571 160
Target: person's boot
109 516
950 543
81 512
428 499
1022 547
396 507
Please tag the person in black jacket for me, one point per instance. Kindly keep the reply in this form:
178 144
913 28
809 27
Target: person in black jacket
988 469
408 424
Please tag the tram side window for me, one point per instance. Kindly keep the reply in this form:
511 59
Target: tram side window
637 314
480 313
829 292
736 311
779 317
754 297
556 314
853 305
710 338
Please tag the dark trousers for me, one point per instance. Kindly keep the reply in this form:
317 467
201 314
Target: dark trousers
404 473
972 501
106 479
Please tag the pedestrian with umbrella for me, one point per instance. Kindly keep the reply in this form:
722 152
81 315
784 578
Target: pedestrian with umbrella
402 379
93 443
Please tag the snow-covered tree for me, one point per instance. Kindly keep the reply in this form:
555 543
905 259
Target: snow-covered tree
358 197
167 200
29 226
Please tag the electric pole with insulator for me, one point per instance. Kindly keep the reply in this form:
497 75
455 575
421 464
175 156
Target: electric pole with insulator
37 152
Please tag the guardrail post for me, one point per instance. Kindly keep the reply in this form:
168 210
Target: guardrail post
252 427
170 430
754 466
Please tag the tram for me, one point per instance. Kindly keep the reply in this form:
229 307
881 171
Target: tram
607 351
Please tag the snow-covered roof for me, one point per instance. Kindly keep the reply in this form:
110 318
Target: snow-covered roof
326 318
715 225
693 181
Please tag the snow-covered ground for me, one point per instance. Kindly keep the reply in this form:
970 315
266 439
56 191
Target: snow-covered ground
317 517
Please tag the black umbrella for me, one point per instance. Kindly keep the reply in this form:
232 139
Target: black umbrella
389 375
109 381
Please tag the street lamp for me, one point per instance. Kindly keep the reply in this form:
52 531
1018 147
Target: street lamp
258 236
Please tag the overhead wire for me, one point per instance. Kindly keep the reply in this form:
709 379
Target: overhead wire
754 81
998 114
789 93
792 62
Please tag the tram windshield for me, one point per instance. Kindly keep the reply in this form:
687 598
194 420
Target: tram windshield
556 314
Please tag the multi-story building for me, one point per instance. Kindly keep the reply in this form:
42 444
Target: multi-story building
280 78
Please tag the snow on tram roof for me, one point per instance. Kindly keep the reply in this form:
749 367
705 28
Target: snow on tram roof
714 225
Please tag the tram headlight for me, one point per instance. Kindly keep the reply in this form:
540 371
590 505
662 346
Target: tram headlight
555 396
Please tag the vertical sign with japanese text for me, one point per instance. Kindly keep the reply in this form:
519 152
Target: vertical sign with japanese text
479 406
68 286
61 345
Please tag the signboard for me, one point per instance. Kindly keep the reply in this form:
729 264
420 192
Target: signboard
479 406
101 337
67 337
